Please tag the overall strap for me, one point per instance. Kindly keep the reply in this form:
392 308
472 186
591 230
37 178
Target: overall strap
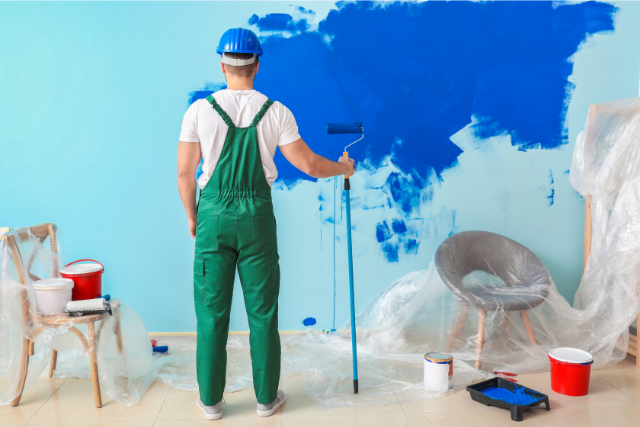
220 111
261 113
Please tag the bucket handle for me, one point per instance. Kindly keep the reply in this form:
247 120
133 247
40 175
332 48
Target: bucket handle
81 260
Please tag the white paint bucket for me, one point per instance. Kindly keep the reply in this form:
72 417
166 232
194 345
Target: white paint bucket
52 295
438 369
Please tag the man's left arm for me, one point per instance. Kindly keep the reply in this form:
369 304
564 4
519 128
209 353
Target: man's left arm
188 160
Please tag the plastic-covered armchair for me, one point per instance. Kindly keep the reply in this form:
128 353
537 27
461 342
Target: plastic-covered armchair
525 281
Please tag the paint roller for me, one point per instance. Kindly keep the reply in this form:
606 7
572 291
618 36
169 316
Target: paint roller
88 306
334 129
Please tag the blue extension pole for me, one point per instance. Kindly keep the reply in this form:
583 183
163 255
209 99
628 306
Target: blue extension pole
340 128
354 348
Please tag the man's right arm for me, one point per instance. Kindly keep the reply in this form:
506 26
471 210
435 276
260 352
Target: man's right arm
300 155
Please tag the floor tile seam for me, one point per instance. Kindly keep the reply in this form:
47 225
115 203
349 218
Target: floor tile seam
45 402
161 406
612 385
401 407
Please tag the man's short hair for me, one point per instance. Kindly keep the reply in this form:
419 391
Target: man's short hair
243 70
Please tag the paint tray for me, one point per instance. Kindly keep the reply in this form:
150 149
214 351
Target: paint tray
517 411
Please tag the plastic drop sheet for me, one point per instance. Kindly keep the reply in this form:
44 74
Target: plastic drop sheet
479 284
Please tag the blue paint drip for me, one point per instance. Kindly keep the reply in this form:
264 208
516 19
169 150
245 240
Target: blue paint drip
550 197
551 176
382 232
309 321
503 62
398 226
517 398
390 252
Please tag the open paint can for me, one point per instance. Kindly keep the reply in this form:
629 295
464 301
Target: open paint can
570 371
87 278
438 369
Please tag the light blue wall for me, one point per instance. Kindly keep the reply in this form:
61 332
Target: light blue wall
91 101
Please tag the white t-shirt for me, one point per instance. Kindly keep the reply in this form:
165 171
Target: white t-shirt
203 124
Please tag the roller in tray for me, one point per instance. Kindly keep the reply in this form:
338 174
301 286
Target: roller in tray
506 394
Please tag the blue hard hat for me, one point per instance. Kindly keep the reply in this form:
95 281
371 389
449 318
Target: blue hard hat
239 40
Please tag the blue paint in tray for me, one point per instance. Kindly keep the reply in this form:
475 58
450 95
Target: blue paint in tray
517 398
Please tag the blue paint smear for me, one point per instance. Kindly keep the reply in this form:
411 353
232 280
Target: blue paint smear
411 246
517 398
504 62
382 231
551 196
398 226
279 22
309 321
403 191
551 176
390 252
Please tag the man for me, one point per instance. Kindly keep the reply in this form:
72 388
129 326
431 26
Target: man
236 132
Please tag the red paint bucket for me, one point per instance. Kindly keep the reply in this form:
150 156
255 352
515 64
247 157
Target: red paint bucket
570 371
87 279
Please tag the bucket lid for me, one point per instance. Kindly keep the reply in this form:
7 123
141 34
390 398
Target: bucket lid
571 355
76 269
53 283
438 357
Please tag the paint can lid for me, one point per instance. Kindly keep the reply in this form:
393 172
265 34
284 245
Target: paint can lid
77 269
53 284
571 355
438 357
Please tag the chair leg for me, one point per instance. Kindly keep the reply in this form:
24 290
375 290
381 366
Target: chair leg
53 363
527 324
24 367
483 317
462 317
93 357
118 334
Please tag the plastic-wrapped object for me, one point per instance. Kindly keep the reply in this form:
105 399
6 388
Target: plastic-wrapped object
125 371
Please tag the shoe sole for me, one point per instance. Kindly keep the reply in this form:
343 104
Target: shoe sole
206 414
272 410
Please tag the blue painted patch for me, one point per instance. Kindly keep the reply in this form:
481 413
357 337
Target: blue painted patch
398 226
411 246
403 191
279 22
390 252
504 62
309 321
382 231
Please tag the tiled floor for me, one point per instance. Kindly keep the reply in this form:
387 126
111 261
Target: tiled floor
613 401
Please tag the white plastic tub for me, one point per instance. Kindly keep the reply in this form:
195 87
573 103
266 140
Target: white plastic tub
52 295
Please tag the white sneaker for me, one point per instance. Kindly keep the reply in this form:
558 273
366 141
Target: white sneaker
210 412
268 410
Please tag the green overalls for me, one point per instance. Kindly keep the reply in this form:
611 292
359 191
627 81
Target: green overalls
236 226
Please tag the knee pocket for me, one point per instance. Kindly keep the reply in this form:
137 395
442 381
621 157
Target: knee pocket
199 286
265 236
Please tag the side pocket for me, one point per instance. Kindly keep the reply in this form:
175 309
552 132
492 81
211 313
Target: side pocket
265 235
198 279
207 232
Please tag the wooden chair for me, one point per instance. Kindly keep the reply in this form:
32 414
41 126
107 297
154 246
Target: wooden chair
588 234
31 328
469 251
